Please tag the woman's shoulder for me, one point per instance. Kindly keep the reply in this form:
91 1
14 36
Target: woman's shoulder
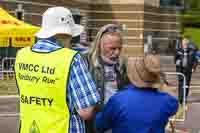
125 91
169 99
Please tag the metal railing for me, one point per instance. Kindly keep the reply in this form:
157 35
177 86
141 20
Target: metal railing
174 118
184 95
7 68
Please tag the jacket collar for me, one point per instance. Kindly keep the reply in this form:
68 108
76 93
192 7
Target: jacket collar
100 64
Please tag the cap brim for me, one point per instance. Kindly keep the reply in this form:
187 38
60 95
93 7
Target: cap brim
73 31
77 30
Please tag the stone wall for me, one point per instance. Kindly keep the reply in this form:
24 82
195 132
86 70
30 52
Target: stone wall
33 10
139 18
129 15
163 24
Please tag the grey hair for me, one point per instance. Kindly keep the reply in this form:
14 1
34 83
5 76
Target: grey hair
94 52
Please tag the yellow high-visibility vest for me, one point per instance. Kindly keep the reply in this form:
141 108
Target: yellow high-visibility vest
42 79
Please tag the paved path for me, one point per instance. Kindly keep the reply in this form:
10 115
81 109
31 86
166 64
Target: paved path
9 108
192 117
9 117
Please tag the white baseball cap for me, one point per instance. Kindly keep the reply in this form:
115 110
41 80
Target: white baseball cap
58 20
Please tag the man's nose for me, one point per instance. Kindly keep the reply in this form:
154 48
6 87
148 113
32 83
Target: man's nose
117 51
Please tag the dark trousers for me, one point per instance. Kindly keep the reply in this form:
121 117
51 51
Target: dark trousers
90 127
188 73
90 124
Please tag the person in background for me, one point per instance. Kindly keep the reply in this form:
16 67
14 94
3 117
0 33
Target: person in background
186 62
105 63
140 107
57 92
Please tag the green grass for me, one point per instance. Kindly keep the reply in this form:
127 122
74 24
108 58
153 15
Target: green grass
194 34
8 87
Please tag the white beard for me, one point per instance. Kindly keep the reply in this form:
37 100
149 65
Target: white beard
109 61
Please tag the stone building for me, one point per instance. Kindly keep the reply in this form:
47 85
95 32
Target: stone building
140 19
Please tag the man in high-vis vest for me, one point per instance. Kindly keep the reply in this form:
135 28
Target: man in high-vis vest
57 92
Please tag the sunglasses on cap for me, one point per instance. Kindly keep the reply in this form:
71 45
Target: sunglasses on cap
111 29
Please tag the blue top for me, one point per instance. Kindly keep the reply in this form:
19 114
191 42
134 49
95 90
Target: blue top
136 110
81 90
197 54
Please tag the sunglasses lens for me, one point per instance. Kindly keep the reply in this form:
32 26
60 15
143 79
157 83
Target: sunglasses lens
112 29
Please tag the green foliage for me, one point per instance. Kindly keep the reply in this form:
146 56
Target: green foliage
191 20
192 4
194 33
191 14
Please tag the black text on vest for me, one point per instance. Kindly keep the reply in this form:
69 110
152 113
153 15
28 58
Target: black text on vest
48 70
42 101
29 67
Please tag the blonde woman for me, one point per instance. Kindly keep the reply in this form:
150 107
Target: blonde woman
140 107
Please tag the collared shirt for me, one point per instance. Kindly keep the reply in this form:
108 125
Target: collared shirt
110 85
185 58
96 67
81 91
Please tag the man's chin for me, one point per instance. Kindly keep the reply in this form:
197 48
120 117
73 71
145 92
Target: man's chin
110 61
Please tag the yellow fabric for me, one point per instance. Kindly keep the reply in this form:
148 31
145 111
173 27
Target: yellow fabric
4 41
21 34
42 85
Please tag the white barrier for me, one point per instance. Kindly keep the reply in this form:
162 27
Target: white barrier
8 63
7 70
184 95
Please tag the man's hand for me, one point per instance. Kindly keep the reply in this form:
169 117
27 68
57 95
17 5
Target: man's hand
87 113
